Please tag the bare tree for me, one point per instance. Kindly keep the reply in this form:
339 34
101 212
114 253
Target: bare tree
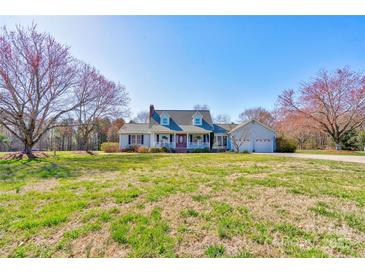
259 114
222 119
105 99
239 137
37 79
334 101
201 107
142 117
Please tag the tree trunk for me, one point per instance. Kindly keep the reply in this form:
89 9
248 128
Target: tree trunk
28 151
86 142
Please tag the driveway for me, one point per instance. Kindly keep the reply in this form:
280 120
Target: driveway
342 158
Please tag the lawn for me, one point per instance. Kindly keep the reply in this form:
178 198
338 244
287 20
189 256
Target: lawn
332 152
181 205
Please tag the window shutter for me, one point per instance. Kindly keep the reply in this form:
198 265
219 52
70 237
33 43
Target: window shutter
129 139
191 138
170 138
158 137
204 138
142 137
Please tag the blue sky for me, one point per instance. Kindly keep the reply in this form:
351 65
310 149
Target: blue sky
227 62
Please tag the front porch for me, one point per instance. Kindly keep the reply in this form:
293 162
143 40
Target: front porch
180 141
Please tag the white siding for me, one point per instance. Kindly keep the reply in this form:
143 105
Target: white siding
123 140
254 133
146 140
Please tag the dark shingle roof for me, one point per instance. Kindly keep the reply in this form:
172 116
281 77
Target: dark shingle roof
180 118
134 128
223 128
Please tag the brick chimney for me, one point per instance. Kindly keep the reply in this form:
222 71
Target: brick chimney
152 110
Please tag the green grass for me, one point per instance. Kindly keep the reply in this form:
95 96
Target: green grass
215 251
147 236
181 205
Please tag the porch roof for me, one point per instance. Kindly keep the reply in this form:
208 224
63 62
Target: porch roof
145 128
134 128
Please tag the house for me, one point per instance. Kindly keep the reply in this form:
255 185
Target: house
186 130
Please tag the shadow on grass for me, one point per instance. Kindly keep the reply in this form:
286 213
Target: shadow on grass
71 166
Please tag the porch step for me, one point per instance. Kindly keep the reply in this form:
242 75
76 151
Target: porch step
181 150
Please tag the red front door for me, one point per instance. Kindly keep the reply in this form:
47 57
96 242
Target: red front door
180 140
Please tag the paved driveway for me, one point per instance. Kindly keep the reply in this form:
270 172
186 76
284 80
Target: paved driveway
343 158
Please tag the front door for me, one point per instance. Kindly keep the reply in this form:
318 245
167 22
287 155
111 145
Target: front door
181 140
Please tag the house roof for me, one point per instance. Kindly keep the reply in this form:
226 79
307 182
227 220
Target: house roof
179 129
181 118
250 121
145 128
184 117
134 128
181 121
223 128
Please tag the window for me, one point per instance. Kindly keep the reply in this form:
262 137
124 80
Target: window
165 121
221 141
197 119
139 139
225 141
136 139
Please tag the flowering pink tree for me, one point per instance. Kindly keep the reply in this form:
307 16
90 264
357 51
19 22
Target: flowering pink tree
335 102
37 77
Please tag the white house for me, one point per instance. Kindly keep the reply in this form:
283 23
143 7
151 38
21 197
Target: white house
185 130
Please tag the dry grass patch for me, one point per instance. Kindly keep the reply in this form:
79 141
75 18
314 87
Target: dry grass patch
181 205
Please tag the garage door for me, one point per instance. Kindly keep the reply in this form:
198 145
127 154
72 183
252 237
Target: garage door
263 145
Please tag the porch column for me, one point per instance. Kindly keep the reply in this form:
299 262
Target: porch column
152 141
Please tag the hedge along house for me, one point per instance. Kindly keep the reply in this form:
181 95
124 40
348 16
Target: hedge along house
184 130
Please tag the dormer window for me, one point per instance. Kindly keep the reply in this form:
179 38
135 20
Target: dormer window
197 119
165 119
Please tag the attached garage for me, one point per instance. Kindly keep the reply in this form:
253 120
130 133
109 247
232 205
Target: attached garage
263 145
253 136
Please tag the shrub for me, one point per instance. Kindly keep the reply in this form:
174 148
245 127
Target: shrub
164 149
131 148
110 147
245 151
142 149
361 139
200 150
285 145
154 149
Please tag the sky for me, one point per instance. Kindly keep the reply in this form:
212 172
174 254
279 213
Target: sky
230 63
